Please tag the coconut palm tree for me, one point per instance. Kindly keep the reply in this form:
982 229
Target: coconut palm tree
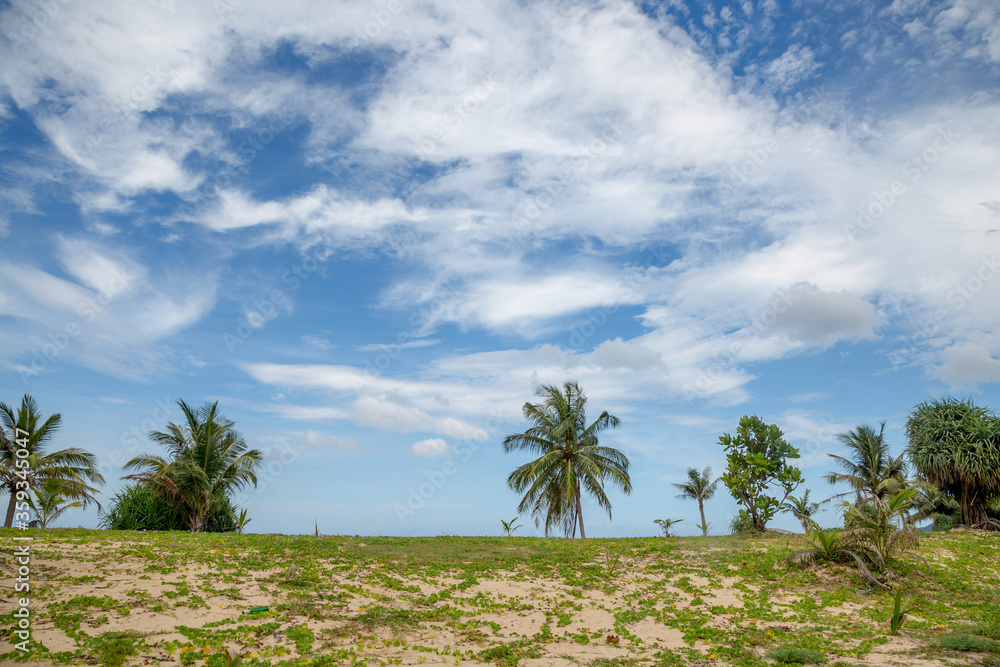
208 461
73 469
49 503
802 509
956 445
570 460
698 487
870 470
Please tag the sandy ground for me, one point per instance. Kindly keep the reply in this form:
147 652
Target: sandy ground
505 607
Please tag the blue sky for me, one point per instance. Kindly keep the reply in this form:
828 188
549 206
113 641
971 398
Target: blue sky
370 230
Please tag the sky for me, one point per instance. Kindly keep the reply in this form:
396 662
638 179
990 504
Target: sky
370 230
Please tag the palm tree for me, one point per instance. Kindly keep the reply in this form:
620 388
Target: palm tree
699 488
208 461
49 503
803 510
509 526
570 459
73 469
930 501
870 470
666 524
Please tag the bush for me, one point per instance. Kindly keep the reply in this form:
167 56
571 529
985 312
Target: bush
791 654
969 643
984 630
137 507
945 522
742 525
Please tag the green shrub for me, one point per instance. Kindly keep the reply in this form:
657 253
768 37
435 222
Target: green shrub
969 643
984 630
945 522
742 524
114 648
137 507
792 654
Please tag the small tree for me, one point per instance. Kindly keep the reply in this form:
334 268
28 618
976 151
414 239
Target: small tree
49 502
699 487
757 459
509 527
870 470
802 509
665 525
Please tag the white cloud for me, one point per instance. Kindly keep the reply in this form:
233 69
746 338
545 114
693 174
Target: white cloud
620 354
313 438
430 448
793 66
815 317
390 347
967 365
600 126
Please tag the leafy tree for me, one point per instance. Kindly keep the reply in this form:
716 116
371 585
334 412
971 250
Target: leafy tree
955 445
698 487
208 461
757 459
570 460
802 509
49 503
73 469
870 470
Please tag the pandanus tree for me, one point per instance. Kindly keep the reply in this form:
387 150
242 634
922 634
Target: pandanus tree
207 461
869 468
26 436
955 445
570 460
699 486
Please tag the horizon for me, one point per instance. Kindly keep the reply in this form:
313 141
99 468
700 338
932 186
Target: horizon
371 230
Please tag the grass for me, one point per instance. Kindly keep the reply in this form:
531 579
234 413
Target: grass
449 600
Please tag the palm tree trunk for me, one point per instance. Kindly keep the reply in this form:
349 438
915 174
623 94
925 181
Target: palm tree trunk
10 507
579 514
704 526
